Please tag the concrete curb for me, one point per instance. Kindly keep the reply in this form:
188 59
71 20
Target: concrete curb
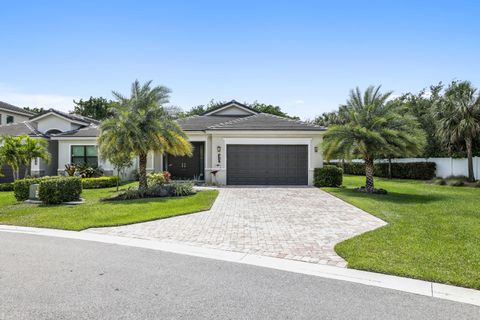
421 287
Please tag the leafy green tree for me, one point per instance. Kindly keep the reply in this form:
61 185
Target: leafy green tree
119 160
21 150
270 109
257 106
458 116
200 109
422 106
330 118
35 109
372 129
95 108
140 124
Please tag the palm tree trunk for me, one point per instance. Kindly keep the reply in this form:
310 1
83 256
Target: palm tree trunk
369 186
471 175
142 171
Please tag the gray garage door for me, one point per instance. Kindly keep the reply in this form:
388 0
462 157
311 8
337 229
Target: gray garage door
267 165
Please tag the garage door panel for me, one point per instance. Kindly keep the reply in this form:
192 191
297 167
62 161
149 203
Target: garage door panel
267 164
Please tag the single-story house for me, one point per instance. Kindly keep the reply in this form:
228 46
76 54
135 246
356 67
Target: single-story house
233 145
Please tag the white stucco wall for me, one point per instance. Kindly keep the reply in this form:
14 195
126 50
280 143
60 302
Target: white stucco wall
64 153
212 142
221 140
52 122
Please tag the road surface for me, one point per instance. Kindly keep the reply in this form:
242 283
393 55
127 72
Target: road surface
54 278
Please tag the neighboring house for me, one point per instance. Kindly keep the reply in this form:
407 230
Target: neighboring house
11 114
233 145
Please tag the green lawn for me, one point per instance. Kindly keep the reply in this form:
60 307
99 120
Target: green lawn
100 214
433 231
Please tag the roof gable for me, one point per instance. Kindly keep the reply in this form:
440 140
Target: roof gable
73 118
232 108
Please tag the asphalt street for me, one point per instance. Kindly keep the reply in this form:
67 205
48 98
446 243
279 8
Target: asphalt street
54 278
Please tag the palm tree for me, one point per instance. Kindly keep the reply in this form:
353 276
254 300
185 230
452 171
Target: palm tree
140 124
21 150
33 148
372 128
458 116
10 154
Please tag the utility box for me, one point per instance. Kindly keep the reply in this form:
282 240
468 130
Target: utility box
33 192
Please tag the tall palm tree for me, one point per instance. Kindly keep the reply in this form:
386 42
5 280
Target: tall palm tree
372 128
458 116
140 124
33 148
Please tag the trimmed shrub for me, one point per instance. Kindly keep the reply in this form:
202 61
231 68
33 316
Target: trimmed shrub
328 176
156 179
180 189
21 188
440 181
63 189
101 182
407 170
6 186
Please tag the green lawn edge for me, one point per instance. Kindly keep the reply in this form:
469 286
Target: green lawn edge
433 232
97 214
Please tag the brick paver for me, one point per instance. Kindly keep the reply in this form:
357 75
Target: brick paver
284 222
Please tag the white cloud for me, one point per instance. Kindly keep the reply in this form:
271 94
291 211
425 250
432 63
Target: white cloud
299 101
23 99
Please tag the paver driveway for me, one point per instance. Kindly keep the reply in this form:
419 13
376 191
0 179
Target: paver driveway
284 222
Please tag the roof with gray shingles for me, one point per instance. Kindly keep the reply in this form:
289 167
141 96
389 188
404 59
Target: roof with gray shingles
9 107
201 123
18 129
261 121
91 131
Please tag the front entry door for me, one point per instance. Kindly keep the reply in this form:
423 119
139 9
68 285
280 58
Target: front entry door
187 167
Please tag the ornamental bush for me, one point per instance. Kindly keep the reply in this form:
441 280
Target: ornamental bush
63 189
328 176
180 189
6 186
406 170
101 182
21 188
156 179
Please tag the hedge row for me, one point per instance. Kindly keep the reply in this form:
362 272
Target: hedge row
8 186
407 170
21 188
328 176
63 189
101 182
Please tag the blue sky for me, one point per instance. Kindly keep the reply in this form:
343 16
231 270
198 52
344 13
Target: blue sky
302 55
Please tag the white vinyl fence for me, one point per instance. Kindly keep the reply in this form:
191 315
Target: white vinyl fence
445 166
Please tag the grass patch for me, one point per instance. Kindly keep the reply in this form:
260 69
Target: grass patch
100 214
433 232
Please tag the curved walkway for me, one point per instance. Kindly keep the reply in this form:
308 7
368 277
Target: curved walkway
284 222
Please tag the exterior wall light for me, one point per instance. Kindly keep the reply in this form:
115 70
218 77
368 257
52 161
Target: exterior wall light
316 149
